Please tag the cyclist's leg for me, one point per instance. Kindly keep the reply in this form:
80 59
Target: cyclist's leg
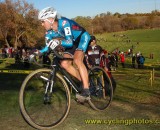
68 66
79 61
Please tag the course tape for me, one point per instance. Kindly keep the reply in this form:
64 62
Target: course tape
29 71
16 71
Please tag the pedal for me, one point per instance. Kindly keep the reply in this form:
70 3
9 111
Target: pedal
81 99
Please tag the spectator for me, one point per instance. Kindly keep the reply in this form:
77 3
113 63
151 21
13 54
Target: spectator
105 63
133 61
137 59
141 60
96 56
151 55
122 59
17 56
116 57
26 59
112 61
10 52
0 52
3 53
129 52
93 53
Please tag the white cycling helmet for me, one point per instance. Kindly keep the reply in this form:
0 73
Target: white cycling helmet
46 13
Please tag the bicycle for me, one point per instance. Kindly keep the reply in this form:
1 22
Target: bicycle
45 96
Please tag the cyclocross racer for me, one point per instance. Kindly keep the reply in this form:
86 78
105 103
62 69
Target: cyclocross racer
75 41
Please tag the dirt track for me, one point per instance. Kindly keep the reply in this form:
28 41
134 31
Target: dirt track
79 113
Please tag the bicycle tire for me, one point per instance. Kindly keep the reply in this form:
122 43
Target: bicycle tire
27 111
101 91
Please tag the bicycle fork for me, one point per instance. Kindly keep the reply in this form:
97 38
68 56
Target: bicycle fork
48 88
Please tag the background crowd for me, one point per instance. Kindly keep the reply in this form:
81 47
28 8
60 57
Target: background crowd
114 59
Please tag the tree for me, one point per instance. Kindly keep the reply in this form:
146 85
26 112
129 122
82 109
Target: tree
85 22
150 20
129 23
6 21
18 20
117 14
24 20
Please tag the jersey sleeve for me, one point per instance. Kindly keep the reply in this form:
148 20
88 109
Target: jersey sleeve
48 38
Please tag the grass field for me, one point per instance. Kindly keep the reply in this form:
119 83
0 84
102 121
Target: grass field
148 42
135 100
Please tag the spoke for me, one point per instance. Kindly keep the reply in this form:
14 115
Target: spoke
101 92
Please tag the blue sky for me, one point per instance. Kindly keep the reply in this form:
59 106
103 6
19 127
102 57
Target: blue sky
73 8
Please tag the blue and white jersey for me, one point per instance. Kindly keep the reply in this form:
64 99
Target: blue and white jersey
71 33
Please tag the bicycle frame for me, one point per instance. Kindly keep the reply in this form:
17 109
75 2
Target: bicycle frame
57 67
40 83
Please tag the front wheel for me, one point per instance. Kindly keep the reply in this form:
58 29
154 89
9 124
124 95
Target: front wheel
101 90
34 105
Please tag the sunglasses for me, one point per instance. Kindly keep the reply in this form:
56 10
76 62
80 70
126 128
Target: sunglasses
42 22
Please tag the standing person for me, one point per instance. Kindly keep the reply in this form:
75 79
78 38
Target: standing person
96 56
105 63
122 58
133 61
113 61
93 53
138 60
116 57
0 52
141 61
75 41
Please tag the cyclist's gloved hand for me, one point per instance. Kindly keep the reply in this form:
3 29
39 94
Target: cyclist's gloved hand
32 57
37 52
60 48
53 44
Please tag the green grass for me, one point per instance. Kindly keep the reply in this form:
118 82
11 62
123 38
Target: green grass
137 85
144 35
9 91
149 42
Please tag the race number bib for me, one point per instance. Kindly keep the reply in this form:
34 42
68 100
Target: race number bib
53 44
67 31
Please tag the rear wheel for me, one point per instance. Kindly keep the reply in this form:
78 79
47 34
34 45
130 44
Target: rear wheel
100 88
43 111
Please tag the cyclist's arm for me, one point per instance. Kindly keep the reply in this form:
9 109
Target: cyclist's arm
67 42
48 37
45 49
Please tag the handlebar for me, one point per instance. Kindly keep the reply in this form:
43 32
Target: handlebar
60 56
56 54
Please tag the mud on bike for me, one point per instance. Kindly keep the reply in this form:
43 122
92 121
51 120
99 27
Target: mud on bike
45 96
